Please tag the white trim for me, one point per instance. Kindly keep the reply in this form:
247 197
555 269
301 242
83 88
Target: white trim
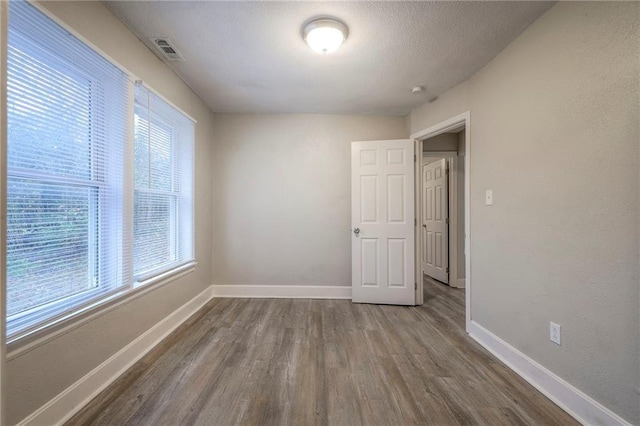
282 291
459 122
453 220
453 124
577 404
467 215
63 406
163 273
418 298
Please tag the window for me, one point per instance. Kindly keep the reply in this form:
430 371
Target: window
163 178
76 228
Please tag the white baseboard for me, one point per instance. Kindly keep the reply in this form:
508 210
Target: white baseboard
580 406
282 291
62 407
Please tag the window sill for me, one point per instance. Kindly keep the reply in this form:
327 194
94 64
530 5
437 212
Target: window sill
25 343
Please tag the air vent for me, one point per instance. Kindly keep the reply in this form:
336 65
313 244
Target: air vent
168 50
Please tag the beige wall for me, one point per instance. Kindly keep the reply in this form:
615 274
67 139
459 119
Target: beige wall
555 134
443 142
40 374
282 196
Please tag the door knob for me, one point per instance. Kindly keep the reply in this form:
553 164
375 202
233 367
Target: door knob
356 231
424 226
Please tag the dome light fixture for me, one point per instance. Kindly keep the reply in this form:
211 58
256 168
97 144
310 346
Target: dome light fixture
325 35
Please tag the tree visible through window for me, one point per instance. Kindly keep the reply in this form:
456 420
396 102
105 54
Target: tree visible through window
48 220
66 132
78 232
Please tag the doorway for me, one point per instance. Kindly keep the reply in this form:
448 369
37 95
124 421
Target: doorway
442 216
386 259
446 143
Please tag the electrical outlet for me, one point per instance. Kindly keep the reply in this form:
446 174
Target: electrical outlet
488 200
554 333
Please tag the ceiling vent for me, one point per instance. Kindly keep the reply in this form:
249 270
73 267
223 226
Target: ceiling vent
168 50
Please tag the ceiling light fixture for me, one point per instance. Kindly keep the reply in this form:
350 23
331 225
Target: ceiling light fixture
325 35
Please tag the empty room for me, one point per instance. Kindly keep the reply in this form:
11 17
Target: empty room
307 212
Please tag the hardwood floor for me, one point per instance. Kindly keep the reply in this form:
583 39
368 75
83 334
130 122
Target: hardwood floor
324 362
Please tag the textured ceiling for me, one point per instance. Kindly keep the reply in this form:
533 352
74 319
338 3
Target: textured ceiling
249 57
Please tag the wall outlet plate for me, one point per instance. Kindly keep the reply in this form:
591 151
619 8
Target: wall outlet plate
555 334
488 201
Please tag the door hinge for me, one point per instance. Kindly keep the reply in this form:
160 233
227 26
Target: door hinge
447 269
447 221
415 221
415 286
415 158
446 170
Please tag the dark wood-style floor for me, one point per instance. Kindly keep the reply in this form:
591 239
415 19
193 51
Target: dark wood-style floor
324 362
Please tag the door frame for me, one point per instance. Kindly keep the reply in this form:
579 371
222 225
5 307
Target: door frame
452 161
458 122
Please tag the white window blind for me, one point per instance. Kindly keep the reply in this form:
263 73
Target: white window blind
163 193
68 237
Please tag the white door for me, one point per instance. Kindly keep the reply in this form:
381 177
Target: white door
435 229
382 222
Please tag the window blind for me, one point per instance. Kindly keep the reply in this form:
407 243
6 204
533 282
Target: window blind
163 186
68 237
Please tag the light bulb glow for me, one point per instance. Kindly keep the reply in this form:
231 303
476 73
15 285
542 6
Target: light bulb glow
325 36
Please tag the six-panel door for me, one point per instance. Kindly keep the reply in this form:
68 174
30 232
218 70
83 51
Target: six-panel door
382 219
435 236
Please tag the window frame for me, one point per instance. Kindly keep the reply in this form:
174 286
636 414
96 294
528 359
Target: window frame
172 126
95 183
130 289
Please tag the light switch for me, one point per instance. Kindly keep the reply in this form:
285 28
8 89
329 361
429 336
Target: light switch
489 197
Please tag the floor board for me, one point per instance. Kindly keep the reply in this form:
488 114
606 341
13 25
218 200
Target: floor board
322 362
